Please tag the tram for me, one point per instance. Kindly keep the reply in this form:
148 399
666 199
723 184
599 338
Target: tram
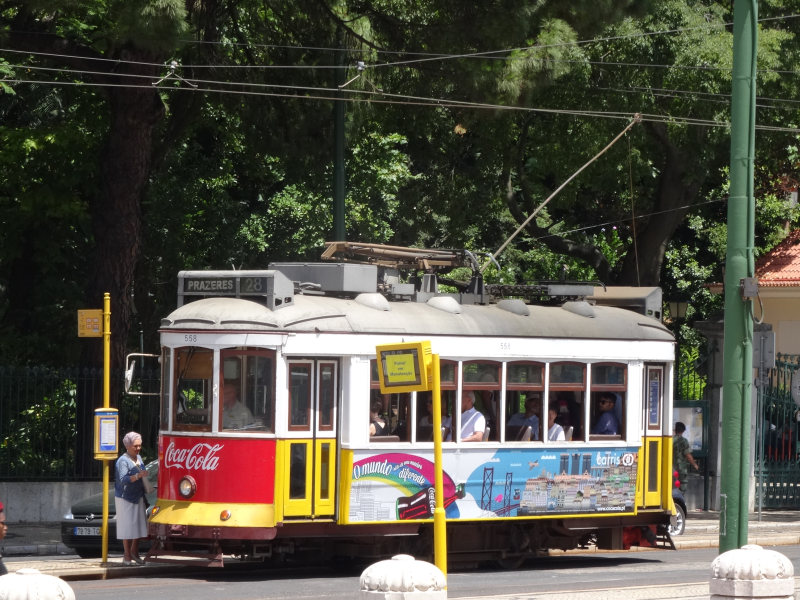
277 443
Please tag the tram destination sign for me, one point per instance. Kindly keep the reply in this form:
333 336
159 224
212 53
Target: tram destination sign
225 286
405 367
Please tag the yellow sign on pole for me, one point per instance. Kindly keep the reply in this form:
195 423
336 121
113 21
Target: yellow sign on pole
90 323
405 367
97 323
411 367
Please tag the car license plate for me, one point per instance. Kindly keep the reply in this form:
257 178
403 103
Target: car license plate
87 531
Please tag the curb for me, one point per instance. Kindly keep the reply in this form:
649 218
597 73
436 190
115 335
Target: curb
36 550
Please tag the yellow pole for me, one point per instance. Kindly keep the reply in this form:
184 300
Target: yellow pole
106 404
439 518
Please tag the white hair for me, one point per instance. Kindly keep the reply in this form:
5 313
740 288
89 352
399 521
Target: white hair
130 438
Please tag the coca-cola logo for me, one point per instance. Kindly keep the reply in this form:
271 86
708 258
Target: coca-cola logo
201 457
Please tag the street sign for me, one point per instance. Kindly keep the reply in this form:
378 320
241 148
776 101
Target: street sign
405 367
796 387
767 338
90 323
106 433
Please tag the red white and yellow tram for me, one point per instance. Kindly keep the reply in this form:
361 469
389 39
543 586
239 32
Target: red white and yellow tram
270 386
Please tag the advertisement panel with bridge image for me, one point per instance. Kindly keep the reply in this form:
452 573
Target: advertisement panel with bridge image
492 484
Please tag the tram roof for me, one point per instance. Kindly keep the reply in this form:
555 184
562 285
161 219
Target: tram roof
330 315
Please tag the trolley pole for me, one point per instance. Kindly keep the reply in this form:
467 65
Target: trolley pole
439 517
339 232
739 263
106 404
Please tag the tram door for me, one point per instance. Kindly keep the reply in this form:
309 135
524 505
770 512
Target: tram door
309 456
653 449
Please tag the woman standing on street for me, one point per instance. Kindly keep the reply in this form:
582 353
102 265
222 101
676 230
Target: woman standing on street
129 499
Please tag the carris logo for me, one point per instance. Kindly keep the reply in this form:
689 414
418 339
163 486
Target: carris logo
200 457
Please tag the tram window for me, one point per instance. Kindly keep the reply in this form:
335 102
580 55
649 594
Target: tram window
482 380
248 391
389 414
568 395
300 396
166 388
327 395
193 377
523 406
607 416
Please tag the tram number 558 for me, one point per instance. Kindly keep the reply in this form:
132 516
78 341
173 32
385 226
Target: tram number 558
505 345
190 338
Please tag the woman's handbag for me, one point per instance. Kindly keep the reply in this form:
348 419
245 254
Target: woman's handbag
148 487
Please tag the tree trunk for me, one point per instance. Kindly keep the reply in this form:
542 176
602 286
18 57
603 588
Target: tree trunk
675 196
117 228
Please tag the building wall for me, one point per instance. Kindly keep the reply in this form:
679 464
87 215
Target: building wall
782 311
42 501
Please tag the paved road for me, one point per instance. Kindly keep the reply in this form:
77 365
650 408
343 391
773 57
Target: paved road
548 575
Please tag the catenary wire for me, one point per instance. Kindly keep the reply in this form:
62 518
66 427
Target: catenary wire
652 214
423 101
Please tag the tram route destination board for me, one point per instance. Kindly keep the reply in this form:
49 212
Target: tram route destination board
225 285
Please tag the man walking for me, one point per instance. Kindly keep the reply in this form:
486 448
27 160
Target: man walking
682 455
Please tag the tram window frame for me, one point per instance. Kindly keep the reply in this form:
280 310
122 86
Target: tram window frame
208 399
525 387
553 388
595 389
494 412
395 434
166 389
269 427
448 389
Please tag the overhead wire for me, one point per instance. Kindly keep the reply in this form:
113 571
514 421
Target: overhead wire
407 100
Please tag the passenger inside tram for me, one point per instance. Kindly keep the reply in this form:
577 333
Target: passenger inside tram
529 418
607 422
555 432
377 424
235 415
425 428
473 423
569 409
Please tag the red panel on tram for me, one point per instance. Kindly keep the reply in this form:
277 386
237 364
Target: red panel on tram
224 469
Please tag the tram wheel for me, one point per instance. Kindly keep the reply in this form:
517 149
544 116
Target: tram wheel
510 563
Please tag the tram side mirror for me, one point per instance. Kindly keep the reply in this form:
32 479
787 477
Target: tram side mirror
129 371
129 376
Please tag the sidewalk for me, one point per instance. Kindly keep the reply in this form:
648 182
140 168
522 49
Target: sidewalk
42 539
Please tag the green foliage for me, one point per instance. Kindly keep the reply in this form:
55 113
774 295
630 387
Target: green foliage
40 440
691 384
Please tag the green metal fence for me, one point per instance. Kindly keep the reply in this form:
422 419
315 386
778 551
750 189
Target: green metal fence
778 483
39 420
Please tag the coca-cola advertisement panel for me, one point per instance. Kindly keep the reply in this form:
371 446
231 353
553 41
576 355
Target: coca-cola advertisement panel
225 469
491 484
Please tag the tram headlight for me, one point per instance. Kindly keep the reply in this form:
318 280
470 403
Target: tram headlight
187 487
225 515
155 511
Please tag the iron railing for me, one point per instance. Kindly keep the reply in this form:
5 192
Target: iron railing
40 418
778 483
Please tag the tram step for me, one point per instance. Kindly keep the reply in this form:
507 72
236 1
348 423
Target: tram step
202 559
